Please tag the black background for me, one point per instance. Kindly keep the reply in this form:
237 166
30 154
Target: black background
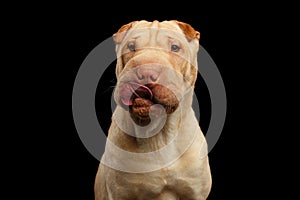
82 166
54 41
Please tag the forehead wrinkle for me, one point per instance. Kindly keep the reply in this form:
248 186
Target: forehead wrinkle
154 29
171 25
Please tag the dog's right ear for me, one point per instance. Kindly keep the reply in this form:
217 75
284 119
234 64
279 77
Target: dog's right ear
120 35
188 30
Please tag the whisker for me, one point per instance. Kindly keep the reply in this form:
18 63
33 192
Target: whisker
108 89
114 80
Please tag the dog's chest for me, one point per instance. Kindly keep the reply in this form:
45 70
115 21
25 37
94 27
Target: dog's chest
151 185
143 185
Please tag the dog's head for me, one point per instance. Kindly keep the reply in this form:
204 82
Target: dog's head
157 64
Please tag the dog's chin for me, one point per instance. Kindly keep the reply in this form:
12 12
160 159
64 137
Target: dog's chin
139 120
139 100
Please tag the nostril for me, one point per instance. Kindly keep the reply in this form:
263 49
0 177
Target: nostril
146 74
140 76
153 78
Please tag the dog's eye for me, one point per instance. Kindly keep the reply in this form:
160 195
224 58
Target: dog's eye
175 48
131 46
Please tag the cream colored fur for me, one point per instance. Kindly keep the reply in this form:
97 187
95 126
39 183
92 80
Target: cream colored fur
186 177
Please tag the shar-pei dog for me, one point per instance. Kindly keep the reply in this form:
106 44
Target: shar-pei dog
155 148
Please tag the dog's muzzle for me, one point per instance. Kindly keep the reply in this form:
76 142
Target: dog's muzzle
139 98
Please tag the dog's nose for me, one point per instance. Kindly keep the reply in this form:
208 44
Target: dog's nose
147 74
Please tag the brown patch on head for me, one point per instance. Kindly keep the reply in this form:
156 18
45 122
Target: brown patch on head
119 36
188 30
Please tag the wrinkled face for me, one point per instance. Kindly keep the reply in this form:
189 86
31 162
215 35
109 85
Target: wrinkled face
157 63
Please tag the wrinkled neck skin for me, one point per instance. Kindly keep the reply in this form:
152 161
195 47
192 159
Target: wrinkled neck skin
168 128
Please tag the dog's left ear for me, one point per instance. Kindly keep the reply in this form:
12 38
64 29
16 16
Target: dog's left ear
188 30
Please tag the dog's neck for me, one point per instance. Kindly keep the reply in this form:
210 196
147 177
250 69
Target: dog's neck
135 155
163 137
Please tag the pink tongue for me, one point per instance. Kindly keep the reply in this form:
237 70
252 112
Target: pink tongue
131 89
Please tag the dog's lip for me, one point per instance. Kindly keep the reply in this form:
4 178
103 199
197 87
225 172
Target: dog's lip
131 90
